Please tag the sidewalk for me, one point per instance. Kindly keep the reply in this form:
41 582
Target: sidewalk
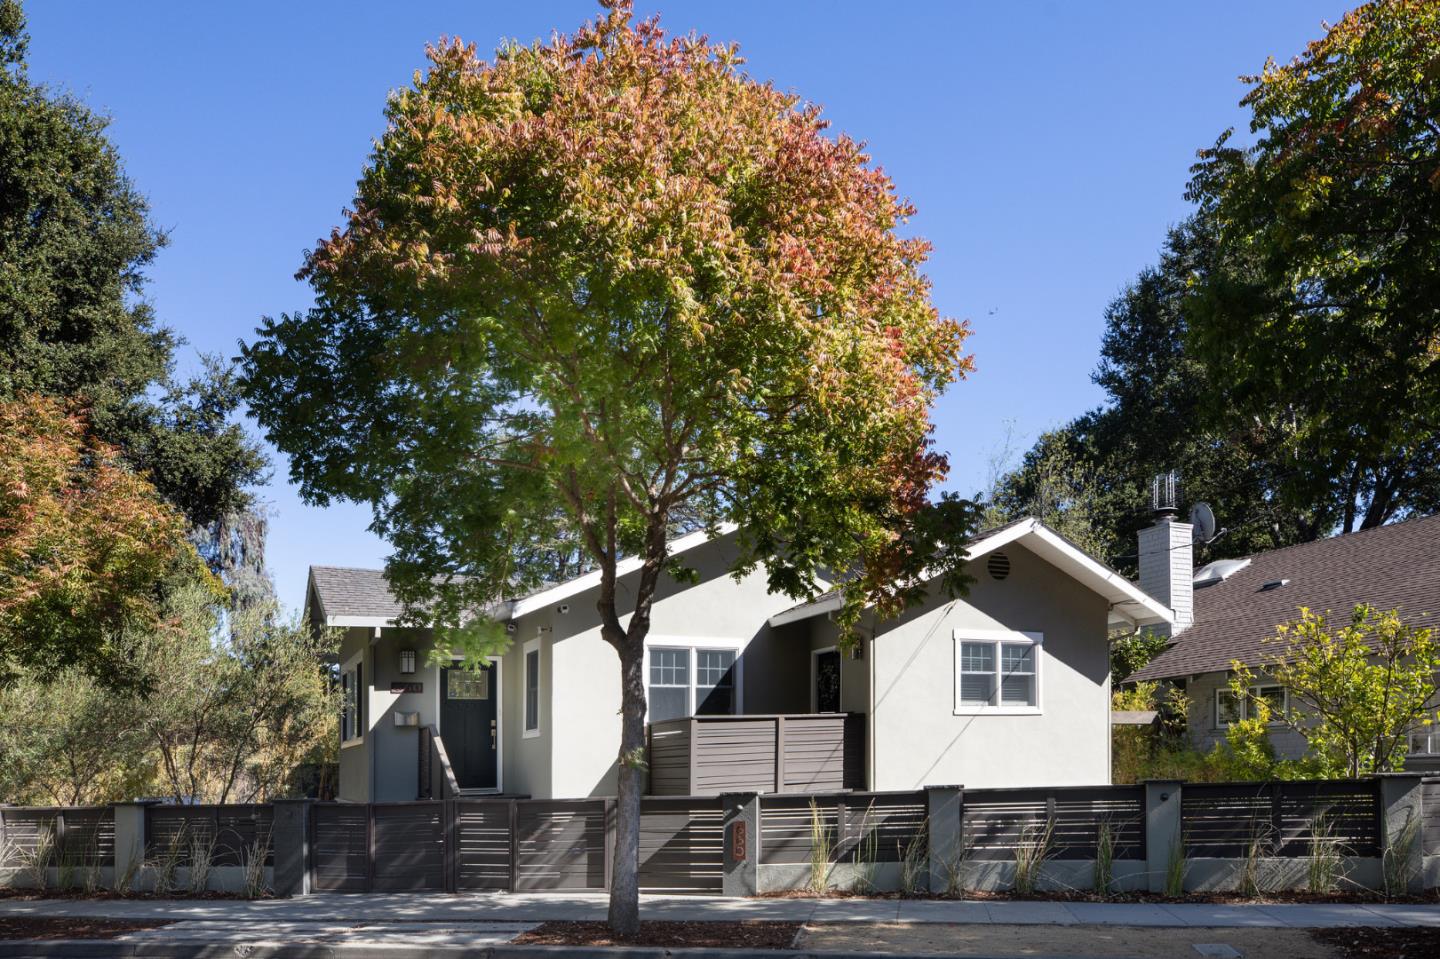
522 908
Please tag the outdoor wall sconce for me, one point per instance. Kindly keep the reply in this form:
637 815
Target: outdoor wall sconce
407 662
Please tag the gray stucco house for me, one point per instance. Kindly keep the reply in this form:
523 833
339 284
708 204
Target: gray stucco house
1007 686
1226 609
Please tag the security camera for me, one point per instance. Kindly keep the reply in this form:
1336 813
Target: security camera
563 608
510 627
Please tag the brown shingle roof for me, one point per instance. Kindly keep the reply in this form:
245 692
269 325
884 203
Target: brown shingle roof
1390 567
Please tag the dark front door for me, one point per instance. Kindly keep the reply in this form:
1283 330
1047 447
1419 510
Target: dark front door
469 725
827 681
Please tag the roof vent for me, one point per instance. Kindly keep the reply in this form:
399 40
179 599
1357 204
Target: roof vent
1219 571
998 565
1274 584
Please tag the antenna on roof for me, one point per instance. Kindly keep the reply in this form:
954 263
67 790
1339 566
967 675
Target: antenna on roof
1202 517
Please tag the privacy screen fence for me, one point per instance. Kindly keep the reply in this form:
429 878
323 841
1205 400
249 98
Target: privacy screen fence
698 844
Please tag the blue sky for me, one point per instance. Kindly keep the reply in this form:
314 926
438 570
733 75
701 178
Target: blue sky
1046 145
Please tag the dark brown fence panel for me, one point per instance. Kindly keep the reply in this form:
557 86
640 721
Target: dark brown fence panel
76 835
560 844
408 840
1223 820
1068 819
340 847
733 754
682 844
670 744
877 827
482 845
1430 800
813 750
232 833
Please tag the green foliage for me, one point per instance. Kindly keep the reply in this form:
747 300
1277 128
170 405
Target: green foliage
1131 652
1320 318
1090 479
75 240
85 545
222 716
1356 692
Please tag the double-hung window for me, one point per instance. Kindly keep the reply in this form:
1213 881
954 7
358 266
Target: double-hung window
352 700
690 680
997 671
532 688
1230 710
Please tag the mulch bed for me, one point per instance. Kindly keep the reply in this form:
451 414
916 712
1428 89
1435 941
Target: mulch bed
757 934
1080 895
26 895
68 927
1404 943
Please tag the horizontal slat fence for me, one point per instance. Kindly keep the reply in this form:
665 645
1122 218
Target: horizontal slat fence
76 835
560 845
232 833
877 827
1223 820
1068 819
682 845
482 845
1430 822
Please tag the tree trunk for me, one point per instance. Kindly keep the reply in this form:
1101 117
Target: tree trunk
624 877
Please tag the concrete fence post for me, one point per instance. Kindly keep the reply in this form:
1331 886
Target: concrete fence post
741 818
944 827
129 840
290 841
1402 823
1162 830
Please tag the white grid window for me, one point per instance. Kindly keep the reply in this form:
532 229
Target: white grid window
997 671
691 680
669 684
1230 710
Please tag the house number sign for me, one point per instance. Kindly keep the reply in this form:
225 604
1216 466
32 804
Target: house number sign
737 840
399 687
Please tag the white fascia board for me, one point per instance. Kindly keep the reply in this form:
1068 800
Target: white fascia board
821 606
1127 600
366 621
562 592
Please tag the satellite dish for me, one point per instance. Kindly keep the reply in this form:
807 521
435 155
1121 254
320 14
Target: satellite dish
1202 517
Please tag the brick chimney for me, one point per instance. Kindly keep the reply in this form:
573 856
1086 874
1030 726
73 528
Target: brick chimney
1167 556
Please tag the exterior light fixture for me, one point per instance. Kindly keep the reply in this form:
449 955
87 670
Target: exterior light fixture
407 662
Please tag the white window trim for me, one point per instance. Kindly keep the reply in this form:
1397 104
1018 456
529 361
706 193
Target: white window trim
362 705
815 675
1432 740
1225 690
693 644
1001 636
532 646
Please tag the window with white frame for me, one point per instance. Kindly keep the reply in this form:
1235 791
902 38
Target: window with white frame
532 688
1230 709
352 701
687 681
997 671
1425 741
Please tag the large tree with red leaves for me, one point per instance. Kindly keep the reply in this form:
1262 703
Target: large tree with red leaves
601 288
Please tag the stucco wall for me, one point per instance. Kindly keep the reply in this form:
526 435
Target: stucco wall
918 739
586 670
355 757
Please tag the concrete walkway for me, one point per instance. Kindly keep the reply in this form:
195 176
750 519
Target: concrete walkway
518 908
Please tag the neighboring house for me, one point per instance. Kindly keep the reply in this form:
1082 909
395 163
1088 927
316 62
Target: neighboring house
1234 606
1007 686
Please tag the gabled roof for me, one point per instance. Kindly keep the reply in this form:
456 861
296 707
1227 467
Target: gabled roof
1129 604
1389 567
344 596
